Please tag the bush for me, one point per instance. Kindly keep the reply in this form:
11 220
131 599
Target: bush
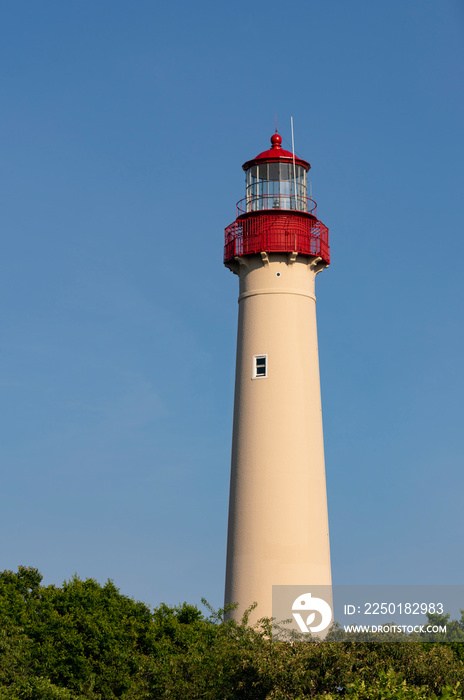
87 641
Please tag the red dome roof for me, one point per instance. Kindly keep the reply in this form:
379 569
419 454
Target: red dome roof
275 153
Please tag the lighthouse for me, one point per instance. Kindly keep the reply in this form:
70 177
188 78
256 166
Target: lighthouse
278 522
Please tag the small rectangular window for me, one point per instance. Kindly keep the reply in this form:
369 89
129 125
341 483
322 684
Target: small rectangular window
263 171
273 171
285 171
259 366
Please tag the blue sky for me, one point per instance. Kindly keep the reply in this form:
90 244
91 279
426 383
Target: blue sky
125 126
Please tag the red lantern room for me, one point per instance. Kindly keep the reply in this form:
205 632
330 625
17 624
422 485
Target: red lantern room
276 216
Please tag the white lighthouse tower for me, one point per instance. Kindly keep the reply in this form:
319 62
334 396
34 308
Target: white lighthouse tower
278 523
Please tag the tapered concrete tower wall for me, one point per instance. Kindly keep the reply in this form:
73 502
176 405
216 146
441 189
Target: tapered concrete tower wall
278 522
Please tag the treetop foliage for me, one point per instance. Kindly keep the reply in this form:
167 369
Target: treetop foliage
85 640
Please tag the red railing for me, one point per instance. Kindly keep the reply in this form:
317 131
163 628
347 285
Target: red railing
277 233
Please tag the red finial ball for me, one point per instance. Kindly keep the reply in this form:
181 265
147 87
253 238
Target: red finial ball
276 140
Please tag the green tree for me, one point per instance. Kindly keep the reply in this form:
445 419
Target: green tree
87 641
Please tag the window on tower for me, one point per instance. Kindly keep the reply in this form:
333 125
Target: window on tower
259 366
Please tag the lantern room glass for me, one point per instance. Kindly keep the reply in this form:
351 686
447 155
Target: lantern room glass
276 185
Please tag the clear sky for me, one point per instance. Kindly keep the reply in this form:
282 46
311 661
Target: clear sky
125 125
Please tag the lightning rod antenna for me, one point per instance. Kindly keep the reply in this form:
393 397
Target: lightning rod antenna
294 169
